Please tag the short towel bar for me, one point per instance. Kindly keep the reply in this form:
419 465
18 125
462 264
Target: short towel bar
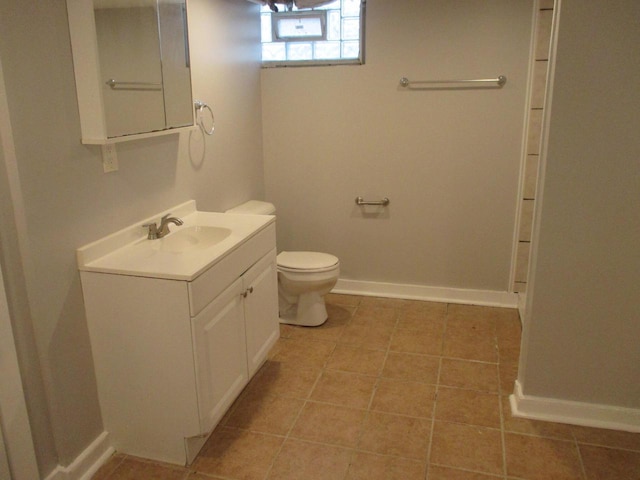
361 201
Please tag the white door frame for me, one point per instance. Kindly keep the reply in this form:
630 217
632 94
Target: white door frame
17 452
14 422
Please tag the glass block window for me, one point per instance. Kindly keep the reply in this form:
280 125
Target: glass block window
342 42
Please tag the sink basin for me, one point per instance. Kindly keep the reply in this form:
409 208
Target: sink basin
190 238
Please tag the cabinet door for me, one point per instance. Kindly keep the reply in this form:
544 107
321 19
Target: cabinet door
220 355
261 310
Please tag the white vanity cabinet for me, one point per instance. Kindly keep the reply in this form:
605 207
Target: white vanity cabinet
232 337
172 355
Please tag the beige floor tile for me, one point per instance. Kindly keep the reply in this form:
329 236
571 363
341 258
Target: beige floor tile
468 406
411 366
424 307
303 352
607 438
508 326
323 423
509 350
374 337
508 374
383 302
505 315
468 374
368 316
471 324
412 341
286 330
467 447
538 458
608 464
201 476
265 413
478 347
367 466
238 454
339 299
285 379
533 427
404 398
395 435
361 360
133 468
475 314
346 389
445 473
381 444
107 469
427 320
309 461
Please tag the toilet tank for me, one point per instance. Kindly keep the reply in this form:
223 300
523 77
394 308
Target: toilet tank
254 207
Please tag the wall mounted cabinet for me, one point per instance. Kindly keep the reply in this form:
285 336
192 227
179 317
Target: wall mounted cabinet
132 68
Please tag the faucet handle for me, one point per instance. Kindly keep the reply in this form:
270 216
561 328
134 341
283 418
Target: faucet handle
153 230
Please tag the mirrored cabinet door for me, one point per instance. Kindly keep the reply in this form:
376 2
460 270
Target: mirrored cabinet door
132 67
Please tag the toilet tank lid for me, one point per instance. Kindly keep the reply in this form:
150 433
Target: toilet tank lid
306 260
254 207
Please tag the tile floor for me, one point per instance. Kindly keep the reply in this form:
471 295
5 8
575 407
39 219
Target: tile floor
395 390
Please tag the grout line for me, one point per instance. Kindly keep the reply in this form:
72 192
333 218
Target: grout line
435 400
366 415
577 445
501 412
462 469
502 430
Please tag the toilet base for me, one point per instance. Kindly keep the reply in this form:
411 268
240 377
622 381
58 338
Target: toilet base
309 311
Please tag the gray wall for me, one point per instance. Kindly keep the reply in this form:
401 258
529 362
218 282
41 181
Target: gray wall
66 200
449 159
583 323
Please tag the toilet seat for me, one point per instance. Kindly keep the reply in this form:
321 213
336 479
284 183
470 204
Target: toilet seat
311 262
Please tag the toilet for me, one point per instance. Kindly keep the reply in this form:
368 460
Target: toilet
304 278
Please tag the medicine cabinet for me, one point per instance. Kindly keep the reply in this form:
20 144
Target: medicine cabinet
132 68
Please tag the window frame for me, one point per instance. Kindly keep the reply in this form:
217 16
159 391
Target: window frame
359 60
300 14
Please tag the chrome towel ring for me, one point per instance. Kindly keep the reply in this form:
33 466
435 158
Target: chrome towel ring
200 106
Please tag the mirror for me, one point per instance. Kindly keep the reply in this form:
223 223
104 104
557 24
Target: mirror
135 58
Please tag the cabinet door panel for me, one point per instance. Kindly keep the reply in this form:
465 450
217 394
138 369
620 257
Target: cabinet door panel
261 310
220 355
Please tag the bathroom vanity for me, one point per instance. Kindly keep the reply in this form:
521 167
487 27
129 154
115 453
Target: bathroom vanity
178 326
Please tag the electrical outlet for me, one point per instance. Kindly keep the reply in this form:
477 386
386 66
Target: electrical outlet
109 158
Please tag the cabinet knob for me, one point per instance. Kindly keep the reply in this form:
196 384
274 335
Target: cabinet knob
247 292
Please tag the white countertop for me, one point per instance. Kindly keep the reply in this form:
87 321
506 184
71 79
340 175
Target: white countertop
127 252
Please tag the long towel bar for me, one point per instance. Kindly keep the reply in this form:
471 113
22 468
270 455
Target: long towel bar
500 81
112 82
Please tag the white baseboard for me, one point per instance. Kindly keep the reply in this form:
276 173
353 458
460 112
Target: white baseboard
87 463
423 292
575 413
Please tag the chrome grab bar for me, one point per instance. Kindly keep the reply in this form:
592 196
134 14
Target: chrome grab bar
113 83
361 201
501 80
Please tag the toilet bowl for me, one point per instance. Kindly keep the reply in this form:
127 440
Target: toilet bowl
304 278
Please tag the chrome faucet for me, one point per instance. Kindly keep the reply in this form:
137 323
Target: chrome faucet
156 232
